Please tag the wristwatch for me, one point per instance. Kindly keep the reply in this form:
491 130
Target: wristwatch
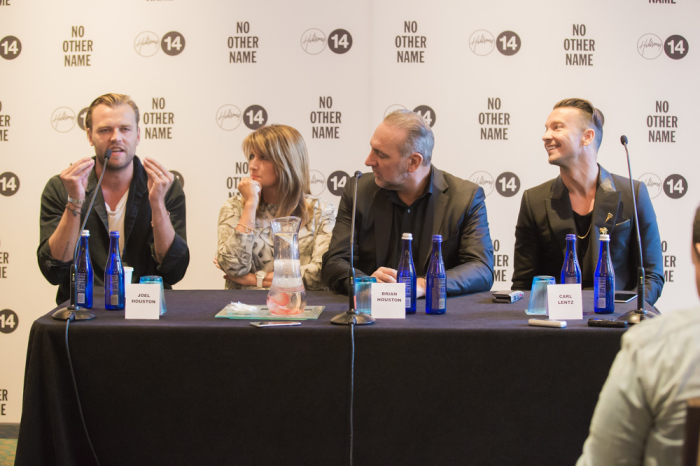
260 275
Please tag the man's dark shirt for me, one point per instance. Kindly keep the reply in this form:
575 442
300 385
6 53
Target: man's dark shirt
138 233
408 219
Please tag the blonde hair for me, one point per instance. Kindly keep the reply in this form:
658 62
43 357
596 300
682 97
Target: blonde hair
285 147
111 100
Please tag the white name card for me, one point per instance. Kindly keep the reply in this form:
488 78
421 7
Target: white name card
388 300
142 301
565 301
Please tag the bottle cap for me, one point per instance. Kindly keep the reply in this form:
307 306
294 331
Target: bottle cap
605 237
85 233
437 238
407 236
570 236
114 234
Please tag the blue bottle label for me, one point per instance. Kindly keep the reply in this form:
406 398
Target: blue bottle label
602 292
113 289
569 280
438 293
407 281
80 284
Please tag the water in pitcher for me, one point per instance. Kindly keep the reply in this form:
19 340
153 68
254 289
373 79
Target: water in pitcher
287 295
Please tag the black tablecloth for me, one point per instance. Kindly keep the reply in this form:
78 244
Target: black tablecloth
474 386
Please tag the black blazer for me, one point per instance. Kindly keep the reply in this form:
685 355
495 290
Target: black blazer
456 211
546 217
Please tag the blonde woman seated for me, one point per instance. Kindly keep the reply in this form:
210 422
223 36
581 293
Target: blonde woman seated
278 186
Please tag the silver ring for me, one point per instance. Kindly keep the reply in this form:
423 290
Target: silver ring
160 173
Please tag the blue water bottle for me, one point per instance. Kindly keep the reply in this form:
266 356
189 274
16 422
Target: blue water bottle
436 286
85 276
407 272
571 271
114 275
604 280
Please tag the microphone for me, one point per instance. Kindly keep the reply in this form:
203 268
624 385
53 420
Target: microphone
639 314
351 315
75 312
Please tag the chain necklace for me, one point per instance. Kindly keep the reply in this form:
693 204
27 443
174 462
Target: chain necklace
589 230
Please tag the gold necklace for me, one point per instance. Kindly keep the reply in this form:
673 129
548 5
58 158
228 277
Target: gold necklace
589 230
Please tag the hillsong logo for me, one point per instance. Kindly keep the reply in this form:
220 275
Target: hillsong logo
81 118
482 42
507 183
147 43
653 184
650 46
63 119
317 182
9 184
229 117
483 179
336 182
9 321
313 41
10 47
675 186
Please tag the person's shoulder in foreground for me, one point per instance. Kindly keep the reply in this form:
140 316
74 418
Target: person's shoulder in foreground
640 415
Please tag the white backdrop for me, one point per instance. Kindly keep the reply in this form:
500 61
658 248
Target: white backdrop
205 73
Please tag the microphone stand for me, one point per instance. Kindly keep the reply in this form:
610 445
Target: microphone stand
639 314
351 315
75 312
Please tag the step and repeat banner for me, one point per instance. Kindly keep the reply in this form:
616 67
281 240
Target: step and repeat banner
485 75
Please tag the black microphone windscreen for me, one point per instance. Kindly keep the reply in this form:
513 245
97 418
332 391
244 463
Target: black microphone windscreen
358 174
623 139
108 154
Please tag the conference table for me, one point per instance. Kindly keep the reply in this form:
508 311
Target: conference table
476 385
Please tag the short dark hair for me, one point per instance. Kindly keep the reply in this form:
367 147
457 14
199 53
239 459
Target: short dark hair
595 117
111 100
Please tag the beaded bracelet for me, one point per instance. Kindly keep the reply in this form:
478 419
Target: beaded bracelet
75 212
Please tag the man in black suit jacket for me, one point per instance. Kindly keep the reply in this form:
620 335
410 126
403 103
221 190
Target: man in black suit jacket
583 200
406 193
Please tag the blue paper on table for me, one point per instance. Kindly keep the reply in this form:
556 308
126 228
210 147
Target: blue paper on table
263 313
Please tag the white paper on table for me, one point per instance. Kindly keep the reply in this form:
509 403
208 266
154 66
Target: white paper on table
565 301
142 301
388 300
